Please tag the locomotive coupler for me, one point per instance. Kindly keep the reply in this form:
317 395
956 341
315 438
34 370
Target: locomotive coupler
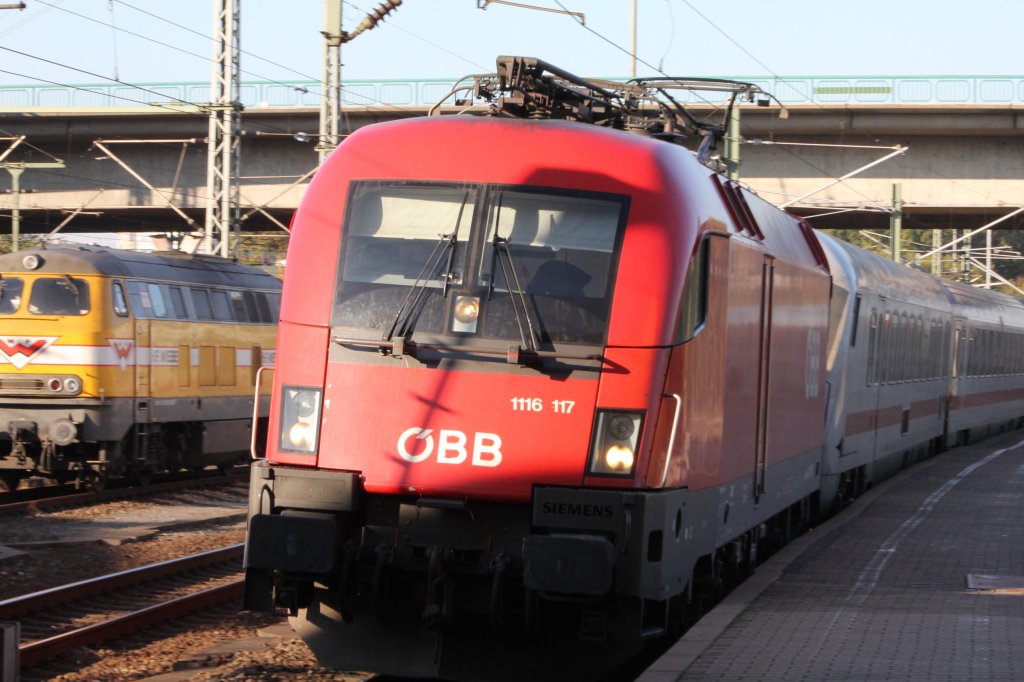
499 565
385 555
437 611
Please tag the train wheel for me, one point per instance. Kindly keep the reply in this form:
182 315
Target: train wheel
93 481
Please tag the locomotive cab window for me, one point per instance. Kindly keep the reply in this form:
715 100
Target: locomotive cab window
477 261
119 301
63 295
398 239
557 250
10 294
693 312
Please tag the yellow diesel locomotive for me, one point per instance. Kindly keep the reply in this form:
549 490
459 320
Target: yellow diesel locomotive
118 363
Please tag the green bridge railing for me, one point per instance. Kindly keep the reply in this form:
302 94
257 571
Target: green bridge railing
401 93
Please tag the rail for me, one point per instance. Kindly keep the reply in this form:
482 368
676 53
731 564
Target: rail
423 92
46 497
56 598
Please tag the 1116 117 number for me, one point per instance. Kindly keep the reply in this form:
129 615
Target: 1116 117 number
537 405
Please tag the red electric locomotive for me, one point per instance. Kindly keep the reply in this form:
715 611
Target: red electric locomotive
523 386
540 384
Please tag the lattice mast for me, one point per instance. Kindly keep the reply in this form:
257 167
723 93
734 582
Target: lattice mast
224 140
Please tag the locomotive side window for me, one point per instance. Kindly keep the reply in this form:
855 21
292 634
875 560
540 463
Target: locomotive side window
201 303
274 303
10 294
156 295
221 307
251 310
120 302
695 295
59 296
263 307
141 303
235 297
178 303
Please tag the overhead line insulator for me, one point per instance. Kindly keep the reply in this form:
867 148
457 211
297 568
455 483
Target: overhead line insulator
372 19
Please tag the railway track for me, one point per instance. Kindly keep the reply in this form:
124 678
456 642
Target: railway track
48 497
58 620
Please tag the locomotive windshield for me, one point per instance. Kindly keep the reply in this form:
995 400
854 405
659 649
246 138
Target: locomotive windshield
522 264
59 296
10 294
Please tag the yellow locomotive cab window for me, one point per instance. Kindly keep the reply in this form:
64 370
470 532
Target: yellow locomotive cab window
120 302
59 296
10 294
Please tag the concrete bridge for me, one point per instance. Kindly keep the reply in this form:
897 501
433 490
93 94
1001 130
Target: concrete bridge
135 160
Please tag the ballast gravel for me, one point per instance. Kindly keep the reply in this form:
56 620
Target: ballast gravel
223 644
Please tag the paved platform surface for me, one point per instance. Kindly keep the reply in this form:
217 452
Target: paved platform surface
920 579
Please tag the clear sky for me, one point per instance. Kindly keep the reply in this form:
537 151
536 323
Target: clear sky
169 41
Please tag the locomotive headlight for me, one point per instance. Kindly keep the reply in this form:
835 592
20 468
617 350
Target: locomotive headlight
466 313
300 419
305 404
621 426
302 436
619 458
72 385
614 442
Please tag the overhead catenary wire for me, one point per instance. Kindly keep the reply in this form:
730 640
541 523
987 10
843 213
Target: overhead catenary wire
313 90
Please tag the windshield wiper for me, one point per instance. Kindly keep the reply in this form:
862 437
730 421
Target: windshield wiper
410 304
70 285
400 325
529 341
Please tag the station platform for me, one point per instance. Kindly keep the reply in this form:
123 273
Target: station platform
922 578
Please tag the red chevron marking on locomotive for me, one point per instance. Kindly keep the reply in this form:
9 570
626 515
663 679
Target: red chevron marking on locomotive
19 351
123 348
